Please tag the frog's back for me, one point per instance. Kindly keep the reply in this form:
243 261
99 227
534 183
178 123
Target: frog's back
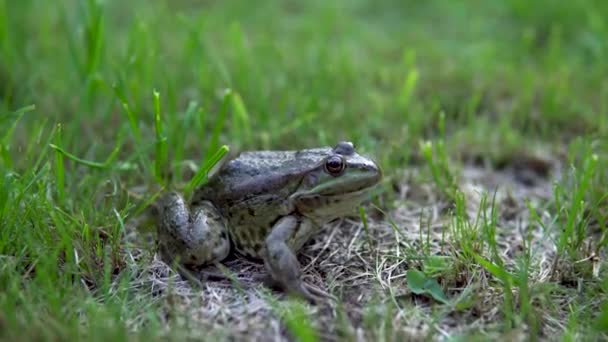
252 192
254 164
268 163
255 173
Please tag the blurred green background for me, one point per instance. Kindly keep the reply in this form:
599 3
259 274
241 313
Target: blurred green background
310 73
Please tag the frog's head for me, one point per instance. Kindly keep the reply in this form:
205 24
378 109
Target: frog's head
338 181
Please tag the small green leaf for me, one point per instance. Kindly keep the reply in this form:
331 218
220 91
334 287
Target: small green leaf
419 283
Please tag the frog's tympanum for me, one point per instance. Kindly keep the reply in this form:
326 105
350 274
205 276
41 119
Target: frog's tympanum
266 204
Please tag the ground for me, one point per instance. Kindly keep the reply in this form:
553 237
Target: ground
487 118
343 260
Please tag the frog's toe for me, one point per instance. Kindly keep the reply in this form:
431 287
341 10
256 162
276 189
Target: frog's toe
319 292
312 294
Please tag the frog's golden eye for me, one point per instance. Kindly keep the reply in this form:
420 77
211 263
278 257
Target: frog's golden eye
334 165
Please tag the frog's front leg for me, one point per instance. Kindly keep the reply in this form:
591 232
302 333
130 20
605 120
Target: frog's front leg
281 261
194 236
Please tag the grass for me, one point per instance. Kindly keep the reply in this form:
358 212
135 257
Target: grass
465 105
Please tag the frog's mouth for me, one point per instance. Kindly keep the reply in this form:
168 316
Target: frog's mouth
336 198
353 184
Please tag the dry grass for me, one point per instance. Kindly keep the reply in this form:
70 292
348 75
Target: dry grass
368 272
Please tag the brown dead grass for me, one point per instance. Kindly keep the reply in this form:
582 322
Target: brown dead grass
367 272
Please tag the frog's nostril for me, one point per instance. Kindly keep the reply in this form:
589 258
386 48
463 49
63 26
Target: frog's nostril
375 170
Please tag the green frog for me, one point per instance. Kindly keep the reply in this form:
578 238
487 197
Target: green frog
266 205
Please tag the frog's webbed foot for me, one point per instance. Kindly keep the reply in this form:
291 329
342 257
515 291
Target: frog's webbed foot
196 236
297 287
283 265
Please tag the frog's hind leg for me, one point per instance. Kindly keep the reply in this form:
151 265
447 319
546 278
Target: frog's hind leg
191 236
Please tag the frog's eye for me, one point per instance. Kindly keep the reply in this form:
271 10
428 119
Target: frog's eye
345 148
334 165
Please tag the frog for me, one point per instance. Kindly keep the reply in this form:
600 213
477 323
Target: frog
266 205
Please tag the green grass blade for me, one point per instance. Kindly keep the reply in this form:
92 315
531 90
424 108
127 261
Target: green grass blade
131 116
201 175
161 142
97 165
59 169
217 130
241 119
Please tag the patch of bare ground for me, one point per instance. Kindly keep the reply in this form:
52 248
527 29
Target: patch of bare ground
366 269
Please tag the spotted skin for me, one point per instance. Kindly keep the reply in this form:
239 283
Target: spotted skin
267 205
195 236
